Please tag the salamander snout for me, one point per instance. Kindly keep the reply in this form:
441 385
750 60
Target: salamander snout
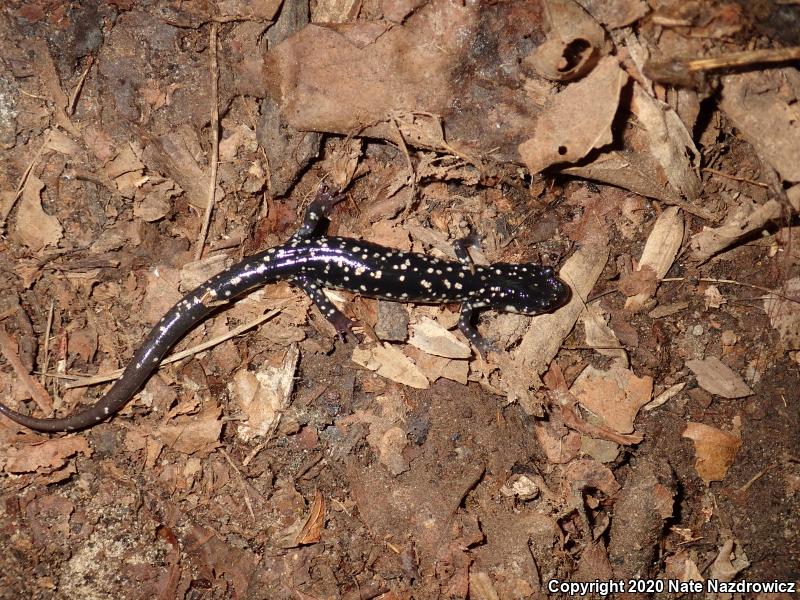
528 289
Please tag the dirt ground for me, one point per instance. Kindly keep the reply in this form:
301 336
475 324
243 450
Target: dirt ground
646 433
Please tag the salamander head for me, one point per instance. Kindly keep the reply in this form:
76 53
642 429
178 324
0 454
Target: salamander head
527 288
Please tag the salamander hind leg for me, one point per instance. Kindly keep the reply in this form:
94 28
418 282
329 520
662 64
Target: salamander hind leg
319 209
335 317
480 343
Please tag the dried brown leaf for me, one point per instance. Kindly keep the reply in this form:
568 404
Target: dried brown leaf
561 138
195 434
559 444
311 532
545 333
263 396
714 449
762 106
35 228
784 314
716 377
746 218
573 32
51 454
387 434
615 395
642 282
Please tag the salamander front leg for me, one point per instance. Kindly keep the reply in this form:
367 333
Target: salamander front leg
319 208
468 329
337 318
460 248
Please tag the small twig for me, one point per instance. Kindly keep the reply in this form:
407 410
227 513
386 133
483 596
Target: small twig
180 355
734 177
513 235
754 478
76 92
683 71
47 340
35 96
36 390
743 58
242 481
254 453
214 126
734 282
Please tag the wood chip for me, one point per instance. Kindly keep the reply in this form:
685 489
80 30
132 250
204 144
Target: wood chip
660 250
429 336
390 362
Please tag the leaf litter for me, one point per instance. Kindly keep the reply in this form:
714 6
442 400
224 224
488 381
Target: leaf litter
414 465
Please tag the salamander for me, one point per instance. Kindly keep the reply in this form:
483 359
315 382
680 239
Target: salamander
313 262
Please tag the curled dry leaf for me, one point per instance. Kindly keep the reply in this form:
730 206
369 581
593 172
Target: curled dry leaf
264 395
669 144
59 141
641 282
714 449
588 473
343 161
520 486
665 396
615 395
172 156
435 367
572 32
559 137
560 444
50 454
616 14
681 567
729 563
311 532
391 363
716 377
353 85
659 251
126 170
712 298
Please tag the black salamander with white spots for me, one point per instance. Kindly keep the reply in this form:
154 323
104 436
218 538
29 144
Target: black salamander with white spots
314 263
